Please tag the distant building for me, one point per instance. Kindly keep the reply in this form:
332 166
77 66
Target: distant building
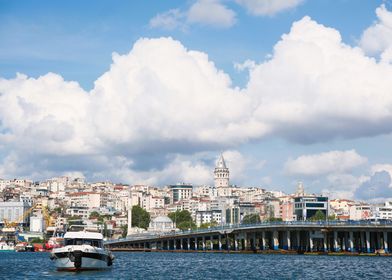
360 211
179 192
13 211
306 207
232 215
204 217
161 224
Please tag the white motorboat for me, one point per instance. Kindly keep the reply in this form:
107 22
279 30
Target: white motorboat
83 250
8 247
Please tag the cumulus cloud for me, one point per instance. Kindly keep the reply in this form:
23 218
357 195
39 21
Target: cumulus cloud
333 162
378 37
378 187
316 88
161 99
268 7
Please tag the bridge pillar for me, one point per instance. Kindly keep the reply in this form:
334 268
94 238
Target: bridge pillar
196 244
378 240
367 240
235 243
325 241
245 242
254 247
335 241
262 247
275 240
288 242
298 240
182 244
385 237
351 242
228 242
175 244
189 243
203 241
212 243
344 240
363 245
220 242
310 242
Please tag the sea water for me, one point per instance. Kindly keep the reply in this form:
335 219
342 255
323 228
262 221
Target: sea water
203 266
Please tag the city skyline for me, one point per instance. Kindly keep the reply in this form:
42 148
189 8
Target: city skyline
296 91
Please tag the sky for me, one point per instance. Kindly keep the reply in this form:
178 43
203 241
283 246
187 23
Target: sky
152 92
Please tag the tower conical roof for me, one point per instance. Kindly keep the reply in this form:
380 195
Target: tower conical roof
221 162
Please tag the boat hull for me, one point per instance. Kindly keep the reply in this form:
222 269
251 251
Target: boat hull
82 259
65 264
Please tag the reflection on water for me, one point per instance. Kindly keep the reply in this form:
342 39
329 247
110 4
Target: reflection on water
203 266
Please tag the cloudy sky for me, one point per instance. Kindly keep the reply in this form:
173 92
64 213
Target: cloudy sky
153 91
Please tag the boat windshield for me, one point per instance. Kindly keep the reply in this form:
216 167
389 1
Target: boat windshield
80 241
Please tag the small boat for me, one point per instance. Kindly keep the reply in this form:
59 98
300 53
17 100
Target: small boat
4 247
83 250
24 247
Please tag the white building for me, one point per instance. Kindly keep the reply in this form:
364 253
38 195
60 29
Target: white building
161 224
207 217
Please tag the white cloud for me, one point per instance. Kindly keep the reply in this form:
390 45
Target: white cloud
268 7
204 12
211 12
381 167
169 20
333 162
378 37
316 88
161 99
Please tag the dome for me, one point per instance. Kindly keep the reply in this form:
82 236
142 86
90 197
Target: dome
162 219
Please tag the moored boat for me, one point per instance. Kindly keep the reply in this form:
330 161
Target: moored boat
6 247
83 250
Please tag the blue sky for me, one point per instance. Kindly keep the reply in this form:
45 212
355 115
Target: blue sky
274 120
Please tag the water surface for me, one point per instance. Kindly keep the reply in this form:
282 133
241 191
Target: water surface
204 266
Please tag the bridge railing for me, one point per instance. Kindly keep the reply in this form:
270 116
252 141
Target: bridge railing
151 235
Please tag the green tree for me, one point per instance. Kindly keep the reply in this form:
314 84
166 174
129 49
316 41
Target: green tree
208 225
332 217
273 219
94 215
251 219
182 219
140 217
124 229
36 240
318 216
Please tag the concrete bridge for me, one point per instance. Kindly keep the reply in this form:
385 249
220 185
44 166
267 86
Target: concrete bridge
300 236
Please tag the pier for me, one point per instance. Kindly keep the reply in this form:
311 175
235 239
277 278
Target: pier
299 236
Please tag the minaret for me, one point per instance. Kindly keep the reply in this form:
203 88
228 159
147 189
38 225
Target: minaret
221 177
300 189
129 232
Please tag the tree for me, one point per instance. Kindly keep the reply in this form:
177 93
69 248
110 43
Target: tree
332 217
36 240
273 219
140 217
124 229
251 219
94 215
318 216
182 219
208 225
